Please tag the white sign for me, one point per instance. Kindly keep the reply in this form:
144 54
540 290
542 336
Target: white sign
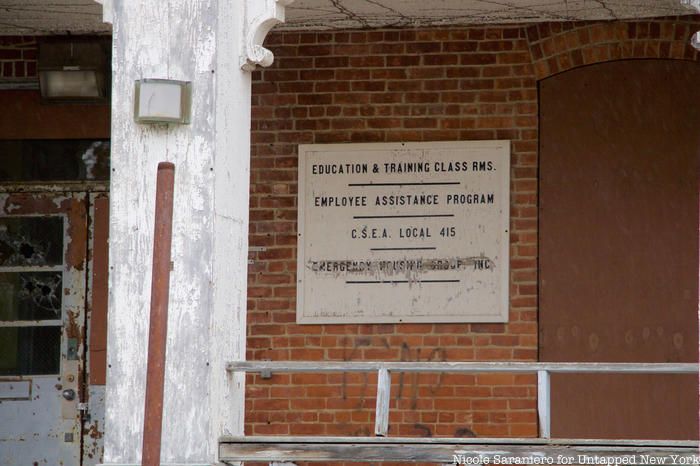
414 232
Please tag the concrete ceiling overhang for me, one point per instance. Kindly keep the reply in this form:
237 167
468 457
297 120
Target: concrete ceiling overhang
85 16
334 14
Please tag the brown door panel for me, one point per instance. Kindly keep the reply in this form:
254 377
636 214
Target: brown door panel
619 145
634 406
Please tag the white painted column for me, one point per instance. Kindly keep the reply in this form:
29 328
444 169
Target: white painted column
213 44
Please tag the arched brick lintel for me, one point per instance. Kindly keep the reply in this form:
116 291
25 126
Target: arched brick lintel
559 47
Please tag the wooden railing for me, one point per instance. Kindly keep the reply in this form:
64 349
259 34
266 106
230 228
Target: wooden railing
384 370
281 448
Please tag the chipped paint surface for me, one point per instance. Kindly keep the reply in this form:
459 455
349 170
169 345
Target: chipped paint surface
86 16
45 429
93 427
93 420
260 20
27 435
199 42
143 48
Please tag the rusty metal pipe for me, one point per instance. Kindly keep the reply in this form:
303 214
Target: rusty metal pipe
155 377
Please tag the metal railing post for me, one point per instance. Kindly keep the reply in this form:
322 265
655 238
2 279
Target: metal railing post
158 329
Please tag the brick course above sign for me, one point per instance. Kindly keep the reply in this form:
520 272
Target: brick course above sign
403 232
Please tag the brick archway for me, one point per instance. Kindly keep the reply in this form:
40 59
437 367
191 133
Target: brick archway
559 47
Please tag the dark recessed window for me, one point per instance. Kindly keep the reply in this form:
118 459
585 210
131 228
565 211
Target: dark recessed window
30 160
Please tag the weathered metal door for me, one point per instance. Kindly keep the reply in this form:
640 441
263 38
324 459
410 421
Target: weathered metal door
43 249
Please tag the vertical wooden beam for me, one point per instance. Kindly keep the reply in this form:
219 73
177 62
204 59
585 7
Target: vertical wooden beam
381 422
543 404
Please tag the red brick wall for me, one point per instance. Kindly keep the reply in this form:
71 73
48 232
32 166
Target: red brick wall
409 85
368 86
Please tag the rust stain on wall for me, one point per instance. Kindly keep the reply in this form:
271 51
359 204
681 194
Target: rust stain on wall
73 329
92 432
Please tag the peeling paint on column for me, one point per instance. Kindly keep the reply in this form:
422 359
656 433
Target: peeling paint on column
198 42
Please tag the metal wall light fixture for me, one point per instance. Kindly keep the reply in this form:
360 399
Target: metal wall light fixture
73 69
162 101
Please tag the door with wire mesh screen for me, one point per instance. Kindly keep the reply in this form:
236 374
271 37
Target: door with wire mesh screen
43 241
